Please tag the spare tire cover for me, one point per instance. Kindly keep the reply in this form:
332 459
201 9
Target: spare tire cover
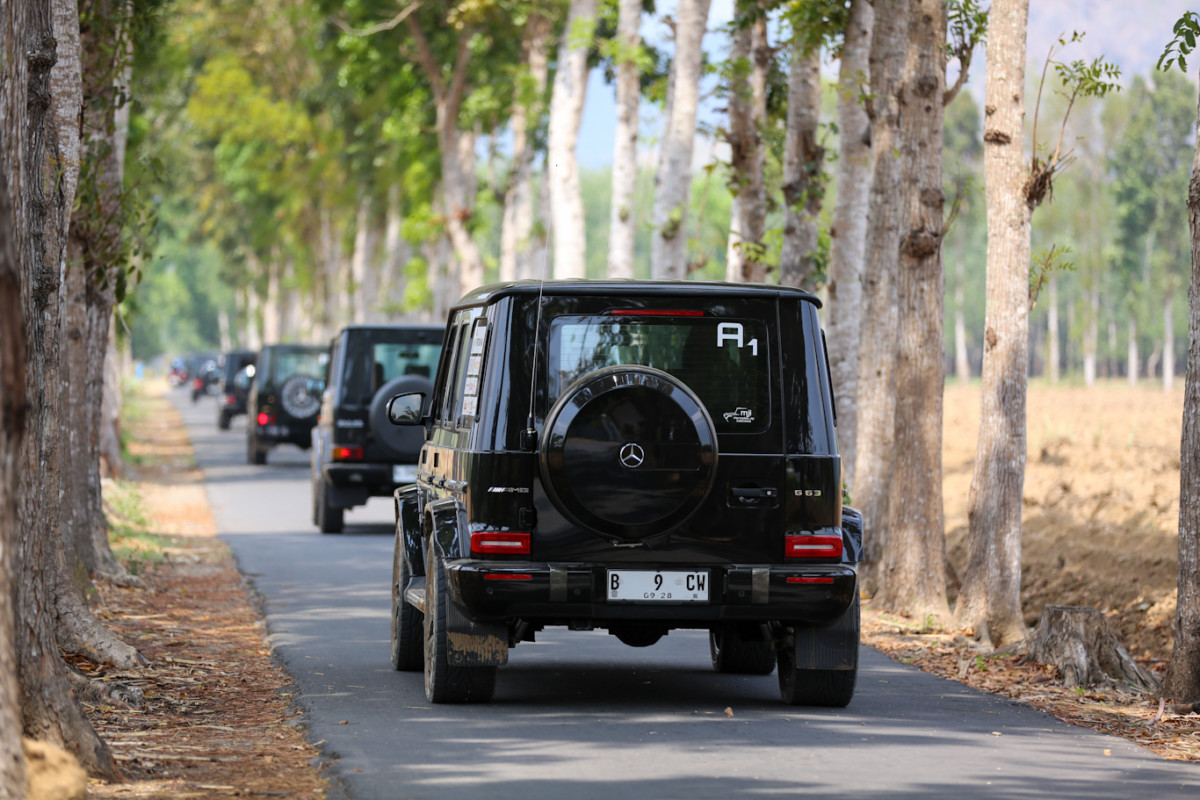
401 442
628 452
297 400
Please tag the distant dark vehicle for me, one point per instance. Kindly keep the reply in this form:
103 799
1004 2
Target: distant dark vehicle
633 456
177 374
357 452
232 397
284 398
205 375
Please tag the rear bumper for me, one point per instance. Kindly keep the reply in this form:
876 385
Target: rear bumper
564 593
297 433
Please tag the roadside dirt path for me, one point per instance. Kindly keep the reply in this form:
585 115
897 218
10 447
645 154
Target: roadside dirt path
218 720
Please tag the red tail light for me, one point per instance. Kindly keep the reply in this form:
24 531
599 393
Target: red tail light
230 400
266 419
347 454
508 576
808 579
812 547
500 543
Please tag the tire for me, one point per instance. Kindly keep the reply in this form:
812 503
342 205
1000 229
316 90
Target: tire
613 482
734 655
408 624
400 442
222 421
830 688
254 453
329 519
296 400
445 683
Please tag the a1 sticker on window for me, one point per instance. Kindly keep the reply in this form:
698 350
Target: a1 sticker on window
733 334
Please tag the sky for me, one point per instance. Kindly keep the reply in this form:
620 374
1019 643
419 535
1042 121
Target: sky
1132 33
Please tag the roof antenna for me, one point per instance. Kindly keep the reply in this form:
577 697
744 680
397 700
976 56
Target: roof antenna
529 435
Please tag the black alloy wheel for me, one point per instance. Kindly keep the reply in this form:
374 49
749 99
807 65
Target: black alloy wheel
445 683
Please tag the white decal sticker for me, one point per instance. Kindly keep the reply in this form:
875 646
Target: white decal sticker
739 414
732 331
473 365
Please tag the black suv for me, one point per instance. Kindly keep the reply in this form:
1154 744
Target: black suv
232 401
284 398
356 452
632 456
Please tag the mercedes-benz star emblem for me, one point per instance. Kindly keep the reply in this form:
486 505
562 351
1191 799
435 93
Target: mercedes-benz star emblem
632 455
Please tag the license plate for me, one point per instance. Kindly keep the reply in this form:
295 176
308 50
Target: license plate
657 586
404 473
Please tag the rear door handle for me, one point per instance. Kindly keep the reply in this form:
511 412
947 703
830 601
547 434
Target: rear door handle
754 493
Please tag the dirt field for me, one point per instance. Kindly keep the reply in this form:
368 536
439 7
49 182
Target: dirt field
1101 502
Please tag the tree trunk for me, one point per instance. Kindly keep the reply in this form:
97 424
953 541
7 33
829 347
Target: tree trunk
1079 643
516 228
673 180
566 113
914 554
962 364
747 116
990 600
1133 362
622 227
849 230
1053 357
360 261
458 178
802 164
1091 335
1182 681
13 402
877 349
1168 347
49 712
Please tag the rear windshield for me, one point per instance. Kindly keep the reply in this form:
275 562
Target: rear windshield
307 362
376 357
724 361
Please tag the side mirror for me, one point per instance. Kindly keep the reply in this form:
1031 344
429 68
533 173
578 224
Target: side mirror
405 409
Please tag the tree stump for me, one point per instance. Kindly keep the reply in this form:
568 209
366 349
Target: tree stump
1078 641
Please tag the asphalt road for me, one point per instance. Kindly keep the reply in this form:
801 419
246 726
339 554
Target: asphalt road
581 715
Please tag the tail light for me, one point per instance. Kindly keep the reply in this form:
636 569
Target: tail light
230 400
341 453
810 546
500 543
266 419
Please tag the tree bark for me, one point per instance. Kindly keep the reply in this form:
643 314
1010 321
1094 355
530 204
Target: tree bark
622 226
1133 362
49 712
516 227
990 600
877 349
1079 643
1182 681
849 229
673 180
1053 357
803 158
915 551
1091 334
458 179
1168 367
13 401
566 114
749 58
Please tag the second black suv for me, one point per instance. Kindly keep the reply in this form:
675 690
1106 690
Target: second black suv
284 398
631 456
357 453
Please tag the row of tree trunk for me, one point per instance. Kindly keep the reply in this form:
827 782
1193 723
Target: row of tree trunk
63 147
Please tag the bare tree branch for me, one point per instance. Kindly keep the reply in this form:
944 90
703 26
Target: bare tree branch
382 26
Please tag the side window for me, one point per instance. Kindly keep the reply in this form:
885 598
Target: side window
470 372
442 402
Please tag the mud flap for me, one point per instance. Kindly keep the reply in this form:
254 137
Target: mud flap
474 644
834 647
